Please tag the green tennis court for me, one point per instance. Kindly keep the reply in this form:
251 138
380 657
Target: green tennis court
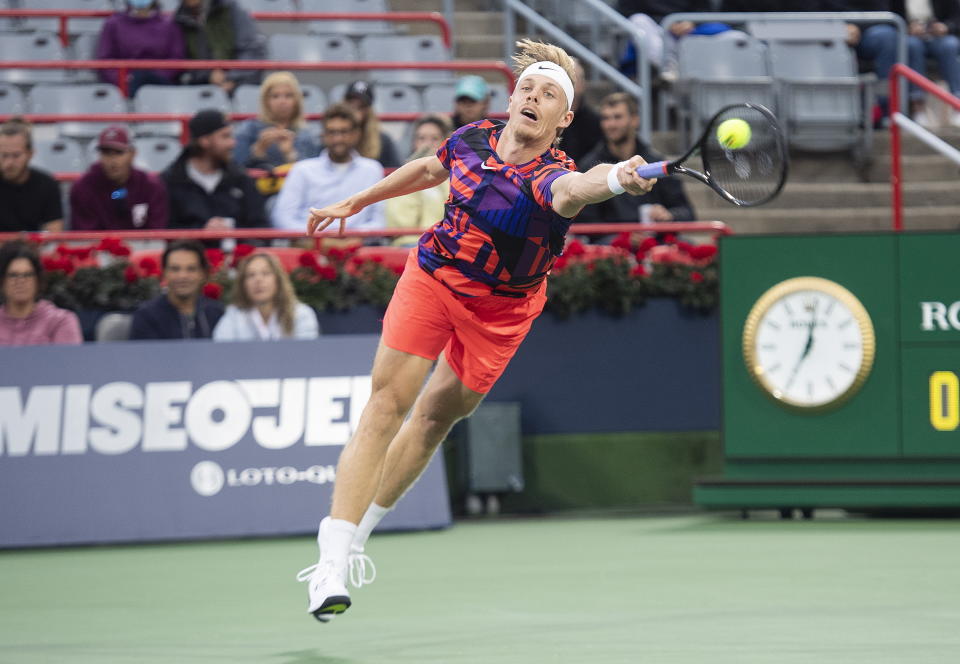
663 589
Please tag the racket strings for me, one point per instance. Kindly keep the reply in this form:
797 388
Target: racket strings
753 173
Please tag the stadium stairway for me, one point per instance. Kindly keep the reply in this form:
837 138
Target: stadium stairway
826 193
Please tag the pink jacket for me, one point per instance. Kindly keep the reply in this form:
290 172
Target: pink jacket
48 324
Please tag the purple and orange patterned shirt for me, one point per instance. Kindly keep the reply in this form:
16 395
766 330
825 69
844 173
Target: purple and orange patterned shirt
499 233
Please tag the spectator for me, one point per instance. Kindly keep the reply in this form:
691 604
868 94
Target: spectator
338 172
278 135
934 25
421 209
141 32
620 121
25 319
264 306
112 194
374 143
182 312
205 188
471 101
660 46
220 30
30 198
584 133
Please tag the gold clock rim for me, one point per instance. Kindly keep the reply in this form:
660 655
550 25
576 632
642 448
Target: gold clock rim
835 290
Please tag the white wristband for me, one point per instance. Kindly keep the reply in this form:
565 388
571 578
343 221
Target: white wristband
613 182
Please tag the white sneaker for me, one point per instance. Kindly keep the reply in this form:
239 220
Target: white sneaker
955 118
326 585
362 571
925 119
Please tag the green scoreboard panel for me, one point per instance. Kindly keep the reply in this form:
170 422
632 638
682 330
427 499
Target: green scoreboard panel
841 372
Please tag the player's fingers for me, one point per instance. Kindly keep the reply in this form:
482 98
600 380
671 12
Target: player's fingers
343 225
634 183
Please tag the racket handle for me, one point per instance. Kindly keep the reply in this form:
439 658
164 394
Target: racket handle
655 170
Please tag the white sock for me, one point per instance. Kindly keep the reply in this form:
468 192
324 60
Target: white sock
371 518
337 537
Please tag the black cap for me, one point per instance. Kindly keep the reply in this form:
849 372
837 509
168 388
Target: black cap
359 90
206 122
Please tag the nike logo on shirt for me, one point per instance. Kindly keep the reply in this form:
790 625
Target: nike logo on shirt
485 167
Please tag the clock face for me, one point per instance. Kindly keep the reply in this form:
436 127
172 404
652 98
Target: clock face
809 343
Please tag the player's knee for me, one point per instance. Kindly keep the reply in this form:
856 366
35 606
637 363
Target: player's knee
389 400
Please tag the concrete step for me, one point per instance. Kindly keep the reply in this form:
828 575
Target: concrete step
478 47
824 220
837 195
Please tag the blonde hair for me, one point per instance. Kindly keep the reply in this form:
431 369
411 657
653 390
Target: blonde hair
270 82
530 51
284 301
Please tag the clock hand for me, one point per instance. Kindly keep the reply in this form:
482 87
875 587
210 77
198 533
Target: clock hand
806 348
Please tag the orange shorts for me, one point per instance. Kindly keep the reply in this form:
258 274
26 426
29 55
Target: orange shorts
478 335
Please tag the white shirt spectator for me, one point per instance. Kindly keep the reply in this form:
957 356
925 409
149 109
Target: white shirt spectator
319 182
238 324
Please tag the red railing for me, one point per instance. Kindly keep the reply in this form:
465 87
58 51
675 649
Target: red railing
716 228
64 15
897 119
122 66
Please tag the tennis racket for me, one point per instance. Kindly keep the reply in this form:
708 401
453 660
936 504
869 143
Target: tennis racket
751 175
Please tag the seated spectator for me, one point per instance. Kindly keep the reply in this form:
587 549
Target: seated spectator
25 319
374 143
182 312
660 45
471 101
112 194
204 187
338 172
29 198
220 30
264 306
278 135
421 209
620 122
584 133
141 32
934 27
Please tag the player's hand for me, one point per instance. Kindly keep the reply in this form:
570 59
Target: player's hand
629 180
321 218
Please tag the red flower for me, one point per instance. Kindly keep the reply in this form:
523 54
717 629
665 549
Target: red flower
398 269
150 266
54 264
696 277
560 263
376 259
575 248
326 272
240 252
120 250
212 290
685 247
669 238
647 244
622 241
108 244
130 274
308 259
83 253
357 261
336 254
703 252
215 257
351 250
639 271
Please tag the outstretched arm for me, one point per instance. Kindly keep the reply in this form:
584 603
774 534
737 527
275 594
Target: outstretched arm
573 191
418 174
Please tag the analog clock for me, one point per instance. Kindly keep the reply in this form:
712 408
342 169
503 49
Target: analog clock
809 343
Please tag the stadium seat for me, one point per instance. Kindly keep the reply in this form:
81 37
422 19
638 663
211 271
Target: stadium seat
173 99
397 98
716 71
246 99
438 97
499 95
32 46
822 98
155 153
406 48
74 25
12 100
348 27
61 155
315 48
269 5
114 326
82 98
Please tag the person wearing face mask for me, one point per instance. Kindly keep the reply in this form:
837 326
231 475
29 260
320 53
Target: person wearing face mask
421 209
465 302
264 306
141 32
25 319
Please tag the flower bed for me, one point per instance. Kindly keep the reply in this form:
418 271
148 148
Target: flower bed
613 279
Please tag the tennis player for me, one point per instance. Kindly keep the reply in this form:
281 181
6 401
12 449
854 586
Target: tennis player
466 300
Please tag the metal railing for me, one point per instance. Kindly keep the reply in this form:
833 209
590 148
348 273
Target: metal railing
900 121
639 89
64 16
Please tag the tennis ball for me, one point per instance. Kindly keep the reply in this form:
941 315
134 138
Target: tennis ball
734 133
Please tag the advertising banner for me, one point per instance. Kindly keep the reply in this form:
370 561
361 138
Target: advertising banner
175 440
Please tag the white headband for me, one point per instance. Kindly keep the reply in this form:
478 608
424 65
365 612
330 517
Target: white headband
555 73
